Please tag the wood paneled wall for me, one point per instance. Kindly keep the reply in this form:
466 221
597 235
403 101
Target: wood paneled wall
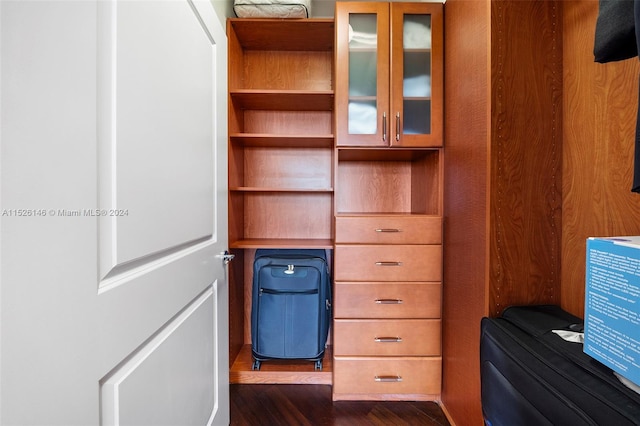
503 175
539 144
467 112
600 104
526 153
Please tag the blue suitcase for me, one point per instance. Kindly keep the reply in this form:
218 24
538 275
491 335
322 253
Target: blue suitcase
291 305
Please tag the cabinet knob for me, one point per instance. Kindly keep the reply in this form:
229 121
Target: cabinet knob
388 230
398 126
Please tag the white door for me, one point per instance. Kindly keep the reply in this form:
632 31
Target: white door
113 297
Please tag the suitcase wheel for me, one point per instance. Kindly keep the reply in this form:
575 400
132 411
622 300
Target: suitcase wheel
256 365
319 364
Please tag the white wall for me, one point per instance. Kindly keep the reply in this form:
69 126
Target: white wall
224 10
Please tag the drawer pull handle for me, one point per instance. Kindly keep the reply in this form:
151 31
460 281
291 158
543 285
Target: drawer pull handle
388 378
389 263
388 230
389 301
388 339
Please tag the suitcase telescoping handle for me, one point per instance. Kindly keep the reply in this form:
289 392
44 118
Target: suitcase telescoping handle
272 291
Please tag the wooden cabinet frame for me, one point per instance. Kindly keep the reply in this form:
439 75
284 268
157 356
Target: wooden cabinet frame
388 233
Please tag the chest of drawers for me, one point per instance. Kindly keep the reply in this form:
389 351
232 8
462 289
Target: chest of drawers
387 307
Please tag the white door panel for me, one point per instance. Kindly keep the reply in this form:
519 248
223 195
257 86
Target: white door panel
113 304
124 308
158 167
168 380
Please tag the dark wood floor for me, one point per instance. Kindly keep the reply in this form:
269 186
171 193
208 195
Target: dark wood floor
280 405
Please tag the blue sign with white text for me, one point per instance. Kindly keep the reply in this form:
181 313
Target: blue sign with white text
612 304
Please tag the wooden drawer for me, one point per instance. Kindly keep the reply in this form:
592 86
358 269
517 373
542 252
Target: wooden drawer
386 337
389 229
387 300
386 375
388 263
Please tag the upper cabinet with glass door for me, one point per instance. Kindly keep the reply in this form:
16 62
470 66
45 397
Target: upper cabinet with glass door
389 74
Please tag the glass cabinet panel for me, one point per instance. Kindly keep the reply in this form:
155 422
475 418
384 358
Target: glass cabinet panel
363 74
389 74
416 85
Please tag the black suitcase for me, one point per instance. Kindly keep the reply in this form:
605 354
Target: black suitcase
291 305
530 376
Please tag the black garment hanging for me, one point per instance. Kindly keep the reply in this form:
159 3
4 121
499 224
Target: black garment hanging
615 35
636 167
617 38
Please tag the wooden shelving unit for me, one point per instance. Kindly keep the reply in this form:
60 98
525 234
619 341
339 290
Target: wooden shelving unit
281 165
388 203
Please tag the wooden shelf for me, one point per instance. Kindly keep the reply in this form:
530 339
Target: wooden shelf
284 34
367 214
283 100
255 243
261 189
384 154
282 141
281 371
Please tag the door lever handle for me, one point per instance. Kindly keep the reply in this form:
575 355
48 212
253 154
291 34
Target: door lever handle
226 257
